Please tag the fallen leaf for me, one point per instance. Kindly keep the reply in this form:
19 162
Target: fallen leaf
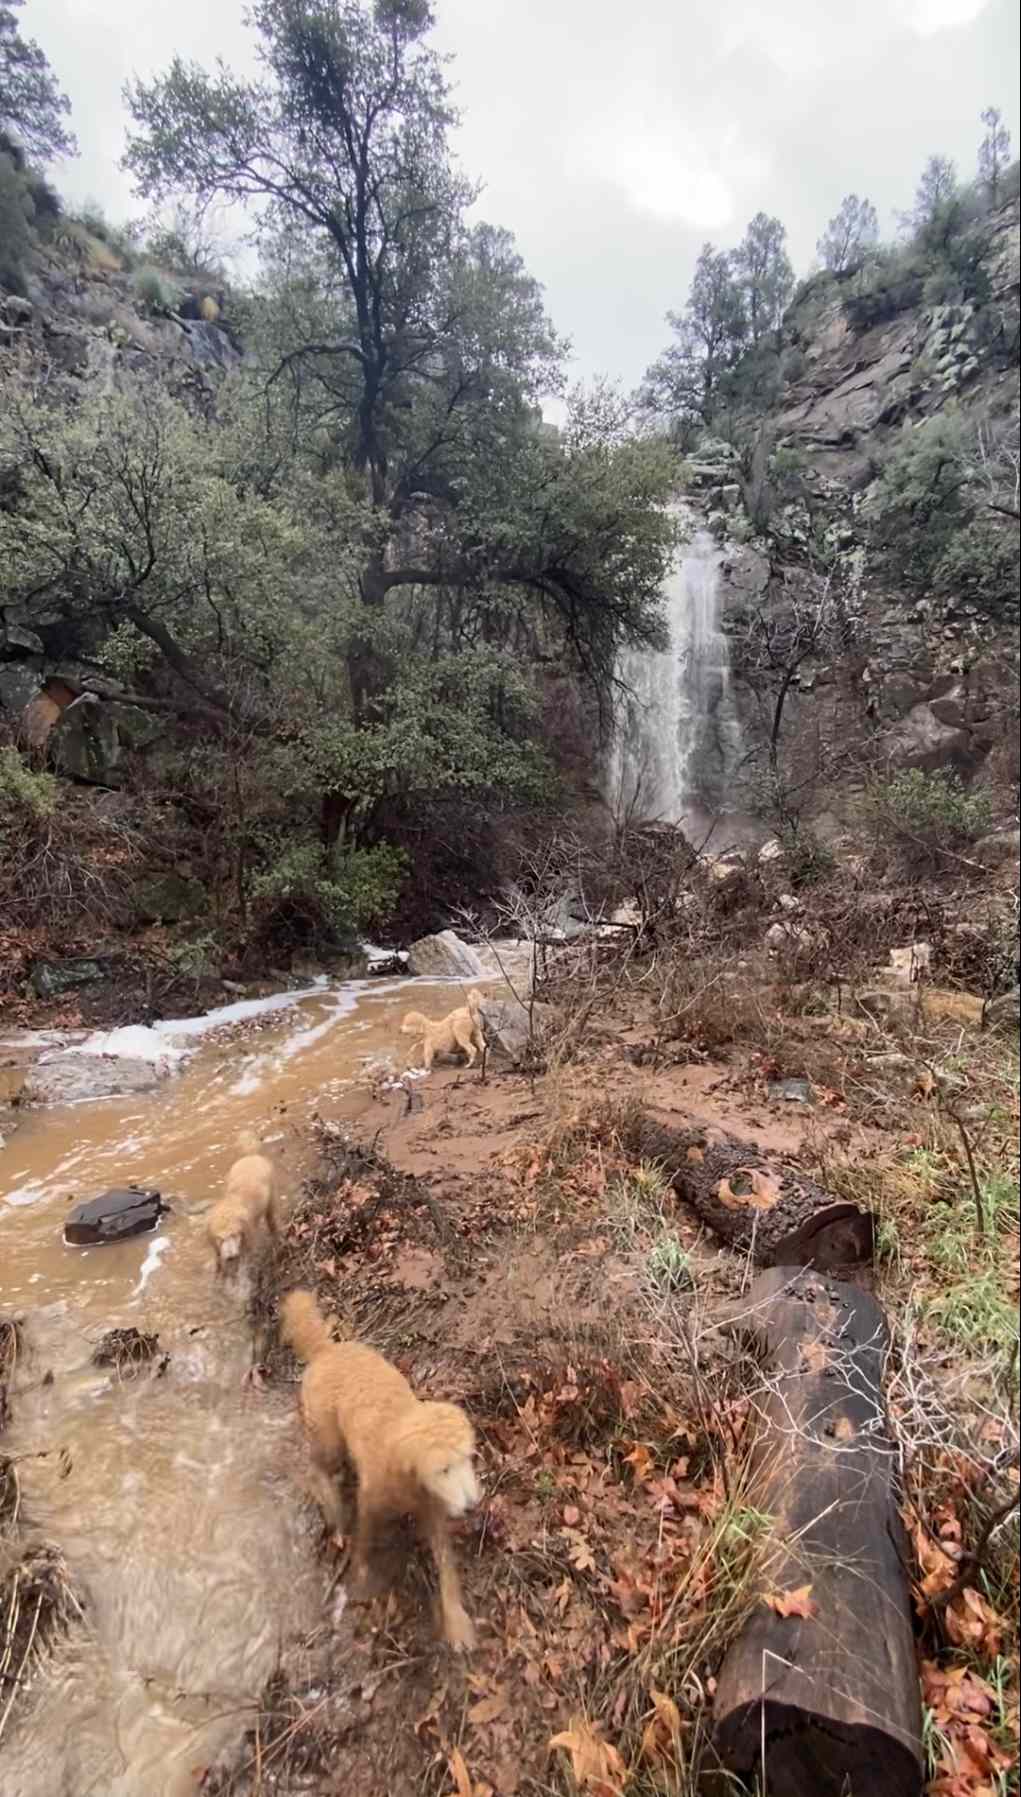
596 1764
488 1709
694 1156
792 1603
844 1429
661 1736
460 1774
572 1515
925 1084
972 1622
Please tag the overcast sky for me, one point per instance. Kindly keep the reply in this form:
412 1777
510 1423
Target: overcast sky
614 138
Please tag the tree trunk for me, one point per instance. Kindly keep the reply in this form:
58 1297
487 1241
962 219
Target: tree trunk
824 1700
757 1203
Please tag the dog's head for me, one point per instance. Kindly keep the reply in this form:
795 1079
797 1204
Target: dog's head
444 1456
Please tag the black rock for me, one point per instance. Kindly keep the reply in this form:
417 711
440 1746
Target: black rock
114 1216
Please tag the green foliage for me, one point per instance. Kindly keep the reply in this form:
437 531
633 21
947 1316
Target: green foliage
32 107
850 234
806 859
764 275
300 897
924 818
156 291
16 215
943 512
24 793
889 282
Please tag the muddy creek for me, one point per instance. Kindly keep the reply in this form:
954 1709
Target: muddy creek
172 1495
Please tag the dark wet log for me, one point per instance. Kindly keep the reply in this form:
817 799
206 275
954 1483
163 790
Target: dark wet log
824 1700
759 1203
113 1216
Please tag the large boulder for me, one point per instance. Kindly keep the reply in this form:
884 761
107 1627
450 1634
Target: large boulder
72 1078
19 684
444 957
113 1216
94 737
509 1031
921 740
50 979
1002 848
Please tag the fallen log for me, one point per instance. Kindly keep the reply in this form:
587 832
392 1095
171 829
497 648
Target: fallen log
819 1693
758 1203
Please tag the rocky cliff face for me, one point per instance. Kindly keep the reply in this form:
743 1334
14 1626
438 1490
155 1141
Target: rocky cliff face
84 319
932 678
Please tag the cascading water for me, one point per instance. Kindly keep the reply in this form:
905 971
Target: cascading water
678 736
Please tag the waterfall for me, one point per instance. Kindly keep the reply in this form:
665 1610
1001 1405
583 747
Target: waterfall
677 737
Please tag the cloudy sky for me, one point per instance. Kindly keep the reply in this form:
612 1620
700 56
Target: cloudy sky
614 139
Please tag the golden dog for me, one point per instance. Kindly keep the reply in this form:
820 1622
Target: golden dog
410 1457
248 1206
445 1035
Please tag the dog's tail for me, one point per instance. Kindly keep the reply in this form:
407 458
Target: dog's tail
248 1142
414 1024
302 1325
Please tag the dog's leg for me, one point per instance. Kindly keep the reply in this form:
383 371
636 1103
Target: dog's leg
273 1215
365 1577
324 1489
427 1055
458 1628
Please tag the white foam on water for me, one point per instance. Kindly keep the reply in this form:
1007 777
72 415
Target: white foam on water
133 1041
153 1255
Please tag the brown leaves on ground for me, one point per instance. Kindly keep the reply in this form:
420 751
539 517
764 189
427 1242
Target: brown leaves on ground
595 1762
965 1712
798 1603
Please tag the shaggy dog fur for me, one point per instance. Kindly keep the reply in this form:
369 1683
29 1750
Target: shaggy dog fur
248 1206
410 1457
445 1035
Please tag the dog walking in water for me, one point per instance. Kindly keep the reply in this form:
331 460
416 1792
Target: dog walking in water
411 1457
445 1035
247 1208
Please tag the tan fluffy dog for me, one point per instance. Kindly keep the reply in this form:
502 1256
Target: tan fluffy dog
410 1457
445 1035
248 1206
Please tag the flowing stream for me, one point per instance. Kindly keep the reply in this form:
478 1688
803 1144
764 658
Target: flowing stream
678 736
173 1497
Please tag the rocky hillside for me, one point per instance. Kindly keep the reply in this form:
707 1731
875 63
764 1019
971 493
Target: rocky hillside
96 325
886 467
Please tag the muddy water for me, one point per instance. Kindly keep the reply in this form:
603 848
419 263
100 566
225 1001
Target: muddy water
173 1497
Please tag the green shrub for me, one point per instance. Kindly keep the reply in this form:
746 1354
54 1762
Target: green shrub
301 900
155 291
24 795
806 860
889 283
16 214
925 819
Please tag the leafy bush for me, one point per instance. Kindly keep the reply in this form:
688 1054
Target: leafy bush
24 795
806 860
16 213
889 283
155 291
302 901
924 819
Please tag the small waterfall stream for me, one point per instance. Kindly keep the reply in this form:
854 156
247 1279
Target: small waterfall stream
678 736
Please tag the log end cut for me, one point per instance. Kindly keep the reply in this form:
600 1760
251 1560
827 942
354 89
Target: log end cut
798 1757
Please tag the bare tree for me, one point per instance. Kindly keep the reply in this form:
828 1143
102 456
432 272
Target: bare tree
816 616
